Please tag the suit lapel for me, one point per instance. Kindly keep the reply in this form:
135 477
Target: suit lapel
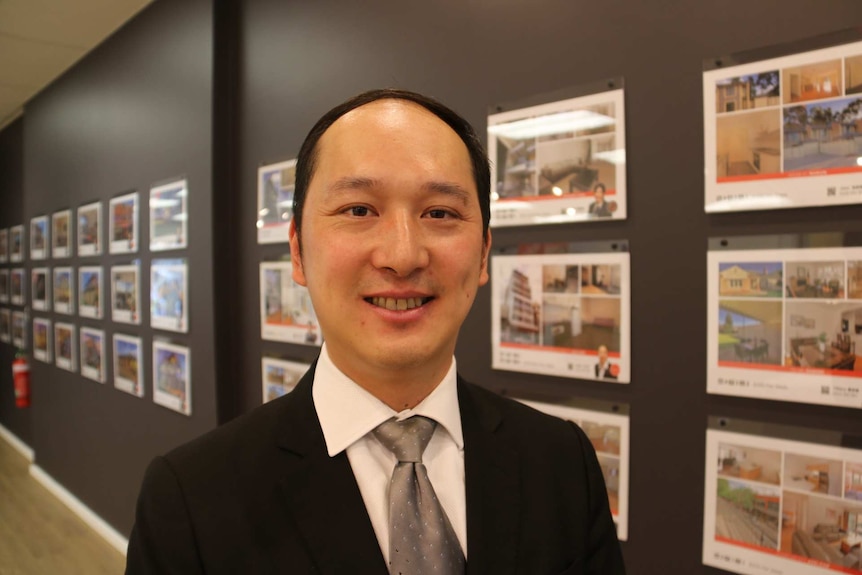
492 488
322 495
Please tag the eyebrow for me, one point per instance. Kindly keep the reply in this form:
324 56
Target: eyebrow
451 189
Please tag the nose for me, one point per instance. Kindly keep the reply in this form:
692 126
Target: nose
400 245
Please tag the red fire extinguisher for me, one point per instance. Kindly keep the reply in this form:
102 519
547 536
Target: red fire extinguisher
21 377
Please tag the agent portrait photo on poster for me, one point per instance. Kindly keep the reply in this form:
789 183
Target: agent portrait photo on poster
383 459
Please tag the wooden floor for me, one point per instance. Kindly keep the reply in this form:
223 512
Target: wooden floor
39 535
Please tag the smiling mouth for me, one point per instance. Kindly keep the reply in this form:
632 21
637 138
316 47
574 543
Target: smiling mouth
398 304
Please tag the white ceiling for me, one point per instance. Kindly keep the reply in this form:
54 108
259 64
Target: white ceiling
41 39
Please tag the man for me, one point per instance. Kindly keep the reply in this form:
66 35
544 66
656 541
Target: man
599 208
390 235
604 368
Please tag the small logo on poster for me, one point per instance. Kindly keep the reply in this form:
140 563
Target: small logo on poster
830 191
824 390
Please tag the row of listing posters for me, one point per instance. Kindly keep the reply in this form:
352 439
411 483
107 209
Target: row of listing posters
780 506
562 314
786 325
784 132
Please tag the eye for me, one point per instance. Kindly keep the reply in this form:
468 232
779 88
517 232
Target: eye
358 211
439 214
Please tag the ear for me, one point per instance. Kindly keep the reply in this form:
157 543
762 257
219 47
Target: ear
296 255
486 249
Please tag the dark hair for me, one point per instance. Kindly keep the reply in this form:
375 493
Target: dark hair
478 158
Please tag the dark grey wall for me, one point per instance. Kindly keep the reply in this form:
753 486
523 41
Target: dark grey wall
16 420
134 112
298 59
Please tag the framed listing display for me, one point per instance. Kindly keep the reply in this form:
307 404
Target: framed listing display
17 288
280 376
125 294
563 314
128 364
4 245
774 505
90 229
275 184
286 313
42 339
64 290
93 354
39 238
786 325
784 132
19 329
5 325
123 224
4 286
65 346
90 291
16 243
609 435
172 385
40 280
559 162
168 216
61 234
169 295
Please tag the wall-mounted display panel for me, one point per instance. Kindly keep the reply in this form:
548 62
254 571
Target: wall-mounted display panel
169 216
90 291
562 314
169 295
774 505
123 225
39 238
90 229
786 324
275 184
280 376
4 245
16 243
172 384
93 354
128 364
559 162
19 329
17 286
126 293
5 325
609 435
65 346
784 132
286 313
40 282
64 290
42 339
4 286
61 234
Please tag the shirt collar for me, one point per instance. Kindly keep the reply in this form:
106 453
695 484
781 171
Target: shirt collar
347 412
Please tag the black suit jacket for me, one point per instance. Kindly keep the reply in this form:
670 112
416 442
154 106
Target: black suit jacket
261 495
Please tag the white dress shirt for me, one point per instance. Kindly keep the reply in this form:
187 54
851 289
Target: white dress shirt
348 414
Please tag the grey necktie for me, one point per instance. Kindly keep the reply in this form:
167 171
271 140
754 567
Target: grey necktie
421 539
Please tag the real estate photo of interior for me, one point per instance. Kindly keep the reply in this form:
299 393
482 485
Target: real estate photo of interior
854 280
812 82
752 463
853 74
575 166
750 279
815 280
747 513
516 171
599 324
748 144
611 472
853 481
823 335
822 528
812 474
560 278
605 438
747 92
600 279
749 331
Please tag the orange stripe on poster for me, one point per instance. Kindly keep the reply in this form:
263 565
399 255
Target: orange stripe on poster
785 555
568 350
793 174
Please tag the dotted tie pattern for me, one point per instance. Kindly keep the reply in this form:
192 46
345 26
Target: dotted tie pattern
421 538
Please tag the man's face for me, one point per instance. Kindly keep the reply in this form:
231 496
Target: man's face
392 246
603 354
600 197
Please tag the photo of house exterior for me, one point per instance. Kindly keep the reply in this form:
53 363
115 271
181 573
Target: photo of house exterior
519 314
747 513
747 92
823 134
750 279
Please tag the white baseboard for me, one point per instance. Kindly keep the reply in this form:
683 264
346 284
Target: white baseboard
17 444
99 525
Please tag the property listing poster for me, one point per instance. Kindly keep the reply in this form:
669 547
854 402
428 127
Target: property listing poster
559 162
784 132
781 507
562 314
286 313
786 325
275 183
609 434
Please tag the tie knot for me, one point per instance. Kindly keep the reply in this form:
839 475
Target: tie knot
407 439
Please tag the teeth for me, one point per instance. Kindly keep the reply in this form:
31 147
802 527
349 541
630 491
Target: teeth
394 304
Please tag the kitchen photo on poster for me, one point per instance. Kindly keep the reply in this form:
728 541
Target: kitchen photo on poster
172 385
286 313
559 162
781 506
784 132
786 324
566 315
280 376
275 183
609 435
